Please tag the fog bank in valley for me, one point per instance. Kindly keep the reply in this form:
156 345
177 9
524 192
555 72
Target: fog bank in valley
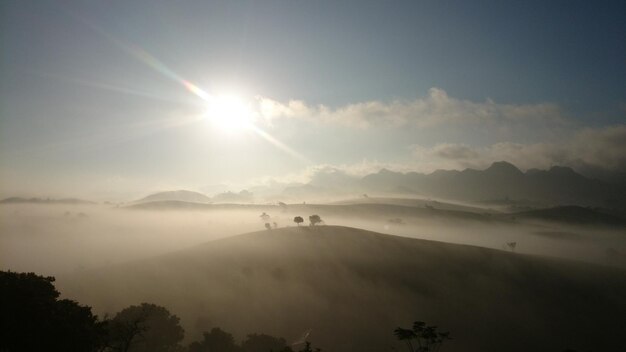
57 239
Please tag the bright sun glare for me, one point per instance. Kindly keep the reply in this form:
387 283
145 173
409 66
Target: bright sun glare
230 113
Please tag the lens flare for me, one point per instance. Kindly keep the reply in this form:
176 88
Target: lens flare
230 113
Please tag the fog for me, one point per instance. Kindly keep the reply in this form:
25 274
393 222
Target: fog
58 239
466 163
198 261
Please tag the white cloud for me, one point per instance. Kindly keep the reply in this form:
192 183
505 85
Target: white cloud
527 135
435 109
587 149
603 148
359 169
454 151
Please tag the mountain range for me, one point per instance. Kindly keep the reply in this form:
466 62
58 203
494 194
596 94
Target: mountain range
501 182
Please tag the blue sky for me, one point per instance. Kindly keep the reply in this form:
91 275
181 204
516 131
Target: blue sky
356 85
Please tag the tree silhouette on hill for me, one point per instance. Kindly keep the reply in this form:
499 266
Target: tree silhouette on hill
315 219
298 220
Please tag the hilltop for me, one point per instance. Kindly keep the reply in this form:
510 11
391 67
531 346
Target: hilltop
180 195
353 287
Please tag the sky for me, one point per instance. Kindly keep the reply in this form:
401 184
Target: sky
113 99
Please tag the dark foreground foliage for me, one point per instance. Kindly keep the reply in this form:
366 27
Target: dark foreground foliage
218 340
422 337
145 328
34 319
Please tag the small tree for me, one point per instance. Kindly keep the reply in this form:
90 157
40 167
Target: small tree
298 220
264 217
268 226
146 327
512 246
263 343
426 338
315 219
307 348
217 340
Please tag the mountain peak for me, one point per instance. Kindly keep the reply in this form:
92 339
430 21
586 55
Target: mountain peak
180 195
503 167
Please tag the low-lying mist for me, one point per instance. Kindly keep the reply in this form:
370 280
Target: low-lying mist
286 280
57 239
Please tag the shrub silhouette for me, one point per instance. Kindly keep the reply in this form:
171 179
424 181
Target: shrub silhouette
512 246
145 328
315 219
263 343
217 340
298 220
422 338
32 318
307 348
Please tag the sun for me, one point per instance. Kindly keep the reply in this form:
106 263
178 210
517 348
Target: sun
230 113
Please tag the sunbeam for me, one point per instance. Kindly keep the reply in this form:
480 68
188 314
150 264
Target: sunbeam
278 144
231 113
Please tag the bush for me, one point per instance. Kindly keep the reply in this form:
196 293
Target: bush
34 319
146 328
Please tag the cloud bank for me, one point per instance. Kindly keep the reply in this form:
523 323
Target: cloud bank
528 135
437 108
588 148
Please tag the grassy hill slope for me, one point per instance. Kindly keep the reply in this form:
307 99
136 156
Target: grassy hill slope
353 287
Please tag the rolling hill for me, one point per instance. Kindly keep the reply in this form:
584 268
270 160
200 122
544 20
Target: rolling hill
416 202
368 211
353 287
180 195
